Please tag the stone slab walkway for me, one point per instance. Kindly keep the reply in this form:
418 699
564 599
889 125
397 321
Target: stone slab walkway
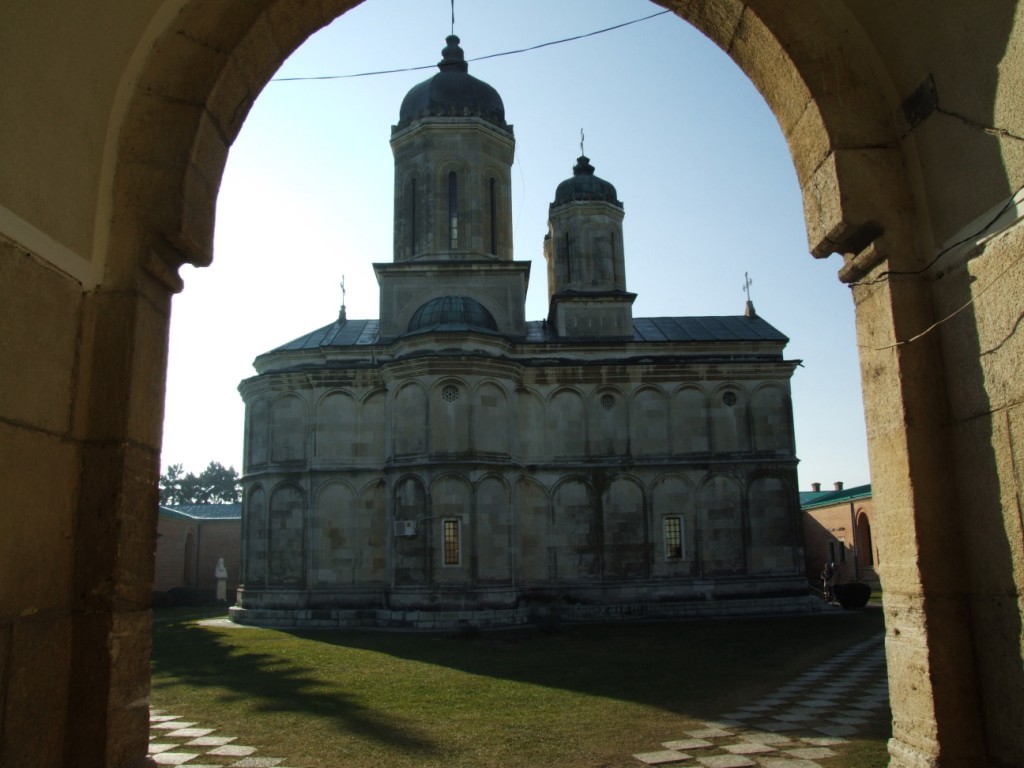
804 721
174 741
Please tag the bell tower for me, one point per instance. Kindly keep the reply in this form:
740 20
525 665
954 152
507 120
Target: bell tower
453 155
586 265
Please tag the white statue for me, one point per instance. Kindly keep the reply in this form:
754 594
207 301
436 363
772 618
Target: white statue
221 572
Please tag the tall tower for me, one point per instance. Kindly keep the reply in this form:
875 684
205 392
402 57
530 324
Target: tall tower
453 214
586 266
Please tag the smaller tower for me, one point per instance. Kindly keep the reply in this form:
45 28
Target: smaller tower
586 265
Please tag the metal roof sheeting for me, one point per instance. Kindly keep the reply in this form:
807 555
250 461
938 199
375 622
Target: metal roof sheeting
828 498
728 328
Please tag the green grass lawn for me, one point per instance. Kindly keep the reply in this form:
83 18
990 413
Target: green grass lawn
579 696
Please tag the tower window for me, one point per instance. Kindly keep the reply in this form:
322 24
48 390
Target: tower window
412 216
453 211
451 542
494 217
568 260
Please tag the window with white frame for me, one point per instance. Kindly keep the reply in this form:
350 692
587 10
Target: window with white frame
673 526
450 535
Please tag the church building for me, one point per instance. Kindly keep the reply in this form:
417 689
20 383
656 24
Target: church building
454 462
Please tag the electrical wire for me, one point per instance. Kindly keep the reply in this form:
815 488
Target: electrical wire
981 292
478 58
905 273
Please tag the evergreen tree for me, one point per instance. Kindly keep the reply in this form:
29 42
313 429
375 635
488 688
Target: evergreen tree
216 484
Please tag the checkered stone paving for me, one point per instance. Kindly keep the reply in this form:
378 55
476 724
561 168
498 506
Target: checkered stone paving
799 724
173 741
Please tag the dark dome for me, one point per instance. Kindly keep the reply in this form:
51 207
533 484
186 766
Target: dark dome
454 313
452 92
584 185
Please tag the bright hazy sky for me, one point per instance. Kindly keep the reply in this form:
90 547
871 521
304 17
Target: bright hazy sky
697 158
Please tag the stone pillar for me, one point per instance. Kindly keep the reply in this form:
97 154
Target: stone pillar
118 418
936 721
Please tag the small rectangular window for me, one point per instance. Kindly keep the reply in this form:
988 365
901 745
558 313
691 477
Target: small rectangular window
842 550
673 538
451 542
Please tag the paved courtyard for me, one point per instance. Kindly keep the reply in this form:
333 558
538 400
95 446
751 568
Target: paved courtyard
805 721
175 741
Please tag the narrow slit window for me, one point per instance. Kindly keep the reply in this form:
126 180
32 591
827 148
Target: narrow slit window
453 211
494 217
451 542
412 217
568 260
673 538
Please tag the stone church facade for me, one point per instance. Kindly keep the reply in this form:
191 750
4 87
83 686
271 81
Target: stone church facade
453 461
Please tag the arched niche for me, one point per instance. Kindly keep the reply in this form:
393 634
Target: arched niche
336 426
533 531
576 539
674 524
409 420
624 530
772 522
492 530
649 422
411 553
730 421
286 542
721 527
689 422
566 424
255 531
288 429
530 425
450 405
491 422
771 417
336 547
608 422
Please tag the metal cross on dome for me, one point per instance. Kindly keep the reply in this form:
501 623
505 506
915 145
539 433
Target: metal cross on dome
747 282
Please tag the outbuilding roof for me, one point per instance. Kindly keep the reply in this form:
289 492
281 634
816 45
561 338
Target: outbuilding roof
815 499
203 511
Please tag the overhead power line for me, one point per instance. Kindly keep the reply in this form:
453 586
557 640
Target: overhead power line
478 58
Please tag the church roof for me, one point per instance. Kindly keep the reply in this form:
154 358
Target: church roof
452 92
738 328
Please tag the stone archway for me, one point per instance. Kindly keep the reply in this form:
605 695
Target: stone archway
182 101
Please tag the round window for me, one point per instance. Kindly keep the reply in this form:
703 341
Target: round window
450 393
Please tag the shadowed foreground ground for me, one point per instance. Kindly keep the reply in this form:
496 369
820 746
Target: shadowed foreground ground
566 696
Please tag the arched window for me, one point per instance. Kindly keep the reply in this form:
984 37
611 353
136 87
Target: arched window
453 211
864 545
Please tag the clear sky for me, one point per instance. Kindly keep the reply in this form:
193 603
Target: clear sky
697 157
